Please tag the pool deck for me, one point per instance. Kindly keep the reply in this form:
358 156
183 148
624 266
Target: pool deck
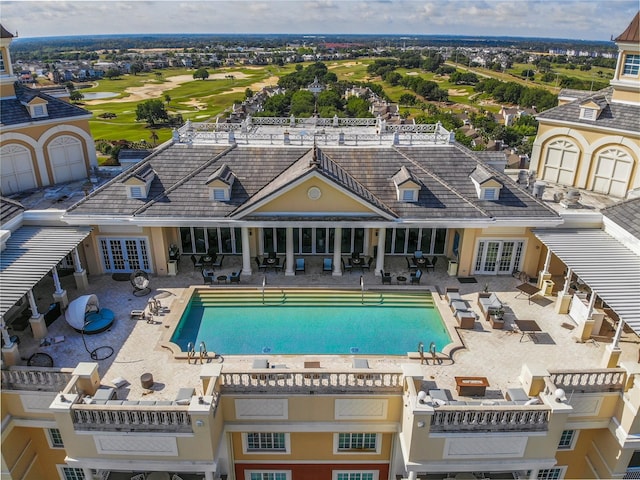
140 347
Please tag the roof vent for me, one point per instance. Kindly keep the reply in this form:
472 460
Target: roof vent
523 177
571 199
538 189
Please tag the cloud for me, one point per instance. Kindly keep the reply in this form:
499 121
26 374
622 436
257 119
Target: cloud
586 19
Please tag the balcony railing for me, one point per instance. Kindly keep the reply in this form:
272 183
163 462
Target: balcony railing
35 378
491 419
588 381
138 418
307 380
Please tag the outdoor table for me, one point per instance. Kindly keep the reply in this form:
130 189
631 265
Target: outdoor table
527 327
471 386
528 289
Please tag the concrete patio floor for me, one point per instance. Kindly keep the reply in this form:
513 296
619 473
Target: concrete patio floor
483 351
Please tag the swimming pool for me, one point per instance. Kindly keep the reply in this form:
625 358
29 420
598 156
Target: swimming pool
299 322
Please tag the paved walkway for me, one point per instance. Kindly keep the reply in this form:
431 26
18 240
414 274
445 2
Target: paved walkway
495 354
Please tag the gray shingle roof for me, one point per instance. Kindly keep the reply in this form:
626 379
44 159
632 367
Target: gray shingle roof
179 188
9 209
617 116
626 214
13 112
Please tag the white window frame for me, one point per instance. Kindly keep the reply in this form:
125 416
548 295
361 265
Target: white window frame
247 473
490 193
408 194
517 255
588 114
137 191
220 194
63 476
350 451
2 64
247 451
632 63
561 472
335 473
51 441
572 440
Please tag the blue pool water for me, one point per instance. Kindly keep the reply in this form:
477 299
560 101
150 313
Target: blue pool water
384 327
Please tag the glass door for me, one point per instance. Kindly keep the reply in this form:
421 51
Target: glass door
124 254
498 257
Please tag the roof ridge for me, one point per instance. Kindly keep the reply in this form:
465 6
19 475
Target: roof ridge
181 182
442 182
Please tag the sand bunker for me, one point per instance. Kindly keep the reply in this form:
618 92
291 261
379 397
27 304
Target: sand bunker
348 64
147 92
456 92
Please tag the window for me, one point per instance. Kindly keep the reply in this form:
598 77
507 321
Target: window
409 195
631 65
54 437
357 441
266 442
253 475
348 475
136 192
2 67
489 193
550 473
200 240
71 473
404 241
221 194
588 114
567 440
39 111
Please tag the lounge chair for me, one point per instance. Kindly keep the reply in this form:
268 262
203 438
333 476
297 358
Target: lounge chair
489 303
411 265
386 277
234 277
367 266
197 262
300 265
431 264
327 265
466 318
451 294
415 277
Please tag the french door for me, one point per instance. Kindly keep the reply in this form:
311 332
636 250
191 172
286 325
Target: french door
498 257
124 254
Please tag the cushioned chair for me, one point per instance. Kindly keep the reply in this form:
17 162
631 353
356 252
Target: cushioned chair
207 275
415 277
217 261
346 267
300 266
411 265
489 303
327 265
261 267
431 265
367 266
451 294
234 277
417 254
386 277
197 263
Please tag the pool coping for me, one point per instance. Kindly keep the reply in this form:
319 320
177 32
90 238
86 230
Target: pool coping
172 318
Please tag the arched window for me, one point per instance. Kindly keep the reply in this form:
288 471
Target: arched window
17 169
612 173
67 159
561 162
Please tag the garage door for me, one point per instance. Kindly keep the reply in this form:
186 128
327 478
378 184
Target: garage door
67 160
17 169
613 170
561 163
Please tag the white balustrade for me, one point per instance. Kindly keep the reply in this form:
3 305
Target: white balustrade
139 418
490 418
37 379
596 380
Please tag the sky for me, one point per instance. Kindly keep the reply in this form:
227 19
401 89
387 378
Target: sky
575 19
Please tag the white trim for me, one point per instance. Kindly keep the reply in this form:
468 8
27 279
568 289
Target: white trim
334 473
47 434
574 439
286 451
60 467
562 468
20 126
119 464
355 451
323 427
247 473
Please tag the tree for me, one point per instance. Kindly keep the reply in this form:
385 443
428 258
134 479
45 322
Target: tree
75 96
112 73
167 98
136 68
407 99
154 137
201 73
248 93
152 111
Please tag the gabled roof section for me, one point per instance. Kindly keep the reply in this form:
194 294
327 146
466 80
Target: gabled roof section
614 115
142 174
403 176
9 209
314 161
632 33
626 214
14 112
223 174
482 175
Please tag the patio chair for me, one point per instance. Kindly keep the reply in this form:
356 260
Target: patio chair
489 303
431 264
386 277
327 265
140 282
271 254
452 294
300 266
261 267
197 262
346 267
207 275
415 277
234 277
367 266
217 261
411 265
417 254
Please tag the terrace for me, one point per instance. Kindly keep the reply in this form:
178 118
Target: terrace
497 354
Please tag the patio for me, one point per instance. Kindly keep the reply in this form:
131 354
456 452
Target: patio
481 351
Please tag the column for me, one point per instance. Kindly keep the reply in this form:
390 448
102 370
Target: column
10 353
337 254
60 295
246 251
564 299
87 472
544 274
290 268
208 475
79 274
534 474
382 238
413 475
37 321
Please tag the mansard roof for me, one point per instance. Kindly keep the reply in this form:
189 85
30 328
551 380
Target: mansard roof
614 115
178 190
13 111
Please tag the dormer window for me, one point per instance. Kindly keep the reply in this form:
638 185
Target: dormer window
39 111
631 65
220 183
137 192
407 187
138 184
487 186
588 114
490 193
